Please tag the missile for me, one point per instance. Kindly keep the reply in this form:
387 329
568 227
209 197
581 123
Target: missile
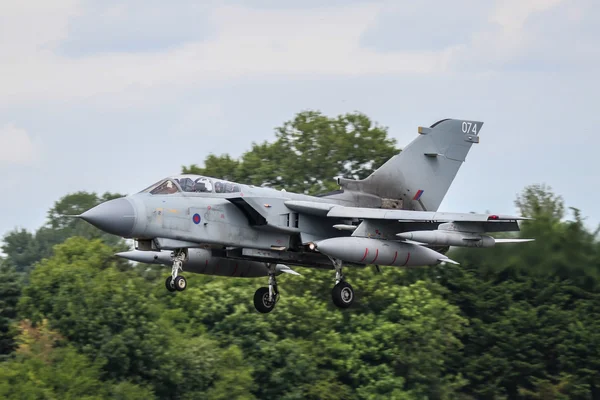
147 257
460 239
359 250
201 261
449 238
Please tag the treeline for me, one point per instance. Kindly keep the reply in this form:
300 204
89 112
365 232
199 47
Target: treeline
514 322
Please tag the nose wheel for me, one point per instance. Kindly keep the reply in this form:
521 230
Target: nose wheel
265 298
342 293
176 282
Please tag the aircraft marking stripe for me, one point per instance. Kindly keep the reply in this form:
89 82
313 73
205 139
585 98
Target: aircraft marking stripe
394 260
376 255
407 258
365 256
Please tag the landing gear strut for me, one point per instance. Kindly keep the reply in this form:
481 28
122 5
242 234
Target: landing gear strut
177 282
342 293
265 298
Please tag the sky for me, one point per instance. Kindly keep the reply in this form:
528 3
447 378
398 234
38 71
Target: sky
113 96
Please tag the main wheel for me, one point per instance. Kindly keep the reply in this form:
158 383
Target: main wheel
169 284
262 302
180 283
342 295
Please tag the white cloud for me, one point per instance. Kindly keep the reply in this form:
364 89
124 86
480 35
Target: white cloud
532 35
244 43
512 16
32 27
247 42
16 146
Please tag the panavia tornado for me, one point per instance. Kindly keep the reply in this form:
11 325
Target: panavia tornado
210 226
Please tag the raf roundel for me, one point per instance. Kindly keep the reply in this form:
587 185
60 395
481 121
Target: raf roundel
196 218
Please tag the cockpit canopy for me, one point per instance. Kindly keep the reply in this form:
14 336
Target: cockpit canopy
192 184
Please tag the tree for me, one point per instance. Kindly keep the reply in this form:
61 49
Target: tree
525 305
537 201
113 316
308 153
21 249
234 380
46 368
10 290
397 340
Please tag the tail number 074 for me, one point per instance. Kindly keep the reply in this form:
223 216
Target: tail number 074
469 127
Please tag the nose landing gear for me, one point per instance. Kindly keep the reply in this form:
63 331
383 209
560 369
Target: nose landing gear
177 282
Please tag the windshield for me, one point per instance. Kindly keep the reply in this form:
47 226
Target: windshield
166 187
192 184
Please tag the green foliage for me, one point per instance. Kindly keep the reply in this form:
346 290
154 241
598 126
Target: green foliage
396 340
538 201
113 317
524 334
102 311
234 380
309 151
10 290
44 369
21 249
533 308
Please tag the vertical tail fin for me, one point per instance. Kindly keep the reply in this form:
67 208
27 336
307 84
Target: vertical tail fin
422 173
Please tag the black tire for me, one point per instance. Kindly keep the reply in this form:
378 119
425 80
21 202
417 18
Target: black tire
261 300
342 295
180 283
169 285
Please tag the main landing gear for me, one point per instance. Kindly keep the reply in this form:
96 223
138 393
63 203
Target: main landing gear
265 298
177 282
342 293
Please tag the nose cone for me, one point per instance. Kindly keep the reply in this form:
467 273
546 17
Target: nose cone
114 216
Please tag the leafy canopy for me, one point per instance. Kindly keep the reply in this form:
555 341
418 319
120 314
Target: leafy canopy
308 153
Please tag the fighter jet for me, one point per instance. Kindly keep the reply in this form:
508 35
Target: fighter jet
210 226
